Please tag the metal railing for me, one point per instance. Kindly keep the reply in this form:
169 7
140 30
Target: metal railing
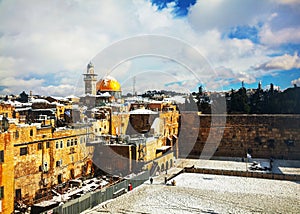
92 199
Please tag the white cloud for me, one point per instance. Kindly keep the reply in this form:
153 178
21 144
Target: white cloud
222 14
284 62
13 85
58 38
279 37
296 82
58 90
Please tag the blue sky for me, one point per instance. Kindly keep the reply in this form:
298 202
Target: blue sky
46 45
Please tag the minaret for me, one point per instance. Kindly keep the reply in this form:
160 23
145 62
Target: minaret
259 85
90 79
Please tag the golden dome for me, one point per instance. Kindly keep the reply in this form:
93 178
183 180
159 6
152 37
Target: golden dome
108 83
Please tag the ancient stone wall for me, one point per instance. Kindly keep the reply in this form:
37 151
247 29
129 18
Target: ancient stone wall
263 136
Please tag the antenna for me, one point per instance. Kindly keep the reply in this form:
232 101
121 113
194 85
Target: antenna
133 86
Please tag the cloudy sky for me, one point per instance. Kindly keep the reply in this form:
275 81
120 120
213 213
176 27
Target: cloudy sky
46 45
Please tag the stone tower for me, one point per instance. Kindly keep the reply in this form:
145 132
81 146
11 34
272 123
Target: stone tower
90 79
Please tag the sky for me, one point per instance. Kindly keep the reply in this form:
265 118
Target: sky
45 46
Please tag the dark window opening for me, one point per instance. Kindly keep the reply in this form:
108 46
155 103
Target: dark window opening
47 144
1 192
31 132
18 195
59 178
40 146
1 156
72 173
58 163
23 151
17 134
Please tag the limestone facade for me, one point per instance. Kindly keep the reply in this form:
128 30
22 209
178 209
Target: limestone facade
262 136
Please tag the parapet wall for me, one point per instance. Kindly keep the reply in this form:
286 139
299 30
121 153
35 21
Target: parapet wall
263 136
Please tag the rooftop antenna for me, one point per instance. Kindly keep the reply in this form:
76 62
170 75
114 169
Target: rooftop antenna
133 86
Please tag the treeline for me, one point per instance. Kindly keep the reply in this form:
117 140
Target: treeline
256 102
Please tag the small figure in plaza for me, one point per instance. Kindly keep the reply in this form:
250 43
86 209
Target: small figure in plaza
151 180
129 187
173 183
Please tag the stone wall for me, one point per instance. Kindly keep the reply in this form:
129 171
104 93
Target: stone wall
6 173
263 136
43 159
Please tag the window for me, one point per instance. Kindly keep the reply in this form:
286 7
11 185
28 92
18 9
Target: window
61 144
31 132
57 145
1 192
47 144
23 151
59 178
18 194
1 156
59 163
17 134
68 143
99 129
72 150
95 130
40 145
75 142
71 142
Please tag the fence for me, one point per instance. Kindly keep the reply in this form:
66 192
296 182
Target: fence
92 199
289 177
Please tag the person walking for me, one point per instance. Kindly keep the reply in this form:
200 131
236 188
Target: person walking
151 180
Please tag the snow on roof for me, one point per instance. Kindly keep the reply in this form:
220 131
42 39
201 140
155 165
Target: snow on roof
40 101
177 99
57 104
22 109
106 94
108 77
72 97
142 111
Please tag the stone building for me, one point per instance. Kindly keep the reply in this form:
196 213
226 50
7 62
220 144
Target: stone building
48 141
38 156
6 172
145 137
